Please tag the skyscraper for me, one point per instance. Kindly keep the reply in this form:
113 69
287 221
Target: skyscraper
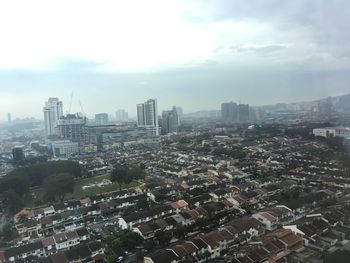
180 112
9 118
229 112
101 119
243 113
53 110
170 121
141 114
121 115
147 115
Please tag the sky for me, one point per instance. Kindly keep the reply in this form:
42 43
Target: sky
114 54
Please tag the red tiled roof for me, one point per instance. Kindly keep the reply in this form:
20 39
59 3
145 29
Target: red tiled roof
267 216
2 256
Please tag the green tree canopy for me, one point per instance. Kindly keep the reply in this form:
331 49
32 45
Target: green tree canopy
38 172
18 182
8 232
58 185
12 201
120 175
136 172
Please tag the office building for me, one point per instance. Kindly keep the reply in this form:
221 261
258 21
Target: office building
121 116
53 110
17 154
101 119
170 121
9 118
72 127
328 132
147 115
229 112
64 148
243 113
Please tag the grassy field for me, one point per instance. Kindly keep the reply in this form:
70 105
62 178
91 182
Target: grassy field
80 192
36 197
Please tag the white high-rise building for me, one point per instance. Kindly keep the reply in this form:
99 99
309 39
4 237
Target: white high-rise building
147 115
101 119
170 121
53 110
121 116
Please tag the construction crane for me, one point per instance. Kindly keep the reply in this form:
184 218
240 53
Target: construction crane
70 103
82 110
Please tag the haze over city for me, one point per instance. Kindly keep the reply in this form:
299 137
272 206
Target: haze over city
194 54
174 131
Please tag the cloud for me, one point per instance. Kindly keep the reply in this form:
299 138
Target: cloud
259 49
196 53
119 37
322 23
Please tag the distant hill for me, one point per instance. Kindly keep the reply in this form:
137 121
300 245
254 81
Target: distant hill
339 103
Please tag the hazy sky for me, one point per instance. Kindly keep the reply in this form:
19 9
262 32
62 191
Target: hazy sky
195 54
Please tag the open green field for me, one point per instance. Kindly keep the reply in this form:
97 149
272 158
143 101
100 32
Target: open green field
35 197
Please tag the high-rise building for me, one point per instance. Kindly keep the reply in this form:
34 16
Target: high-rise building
229 112
53 110
180 113
121 116
256 115
17 154
170 121
9 118
243 113
147 115
141 114
325 109
101 119
72 127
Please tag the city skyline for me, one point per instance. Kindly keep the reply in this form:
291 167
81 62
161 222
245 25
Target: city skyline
112 115
256 53
174 131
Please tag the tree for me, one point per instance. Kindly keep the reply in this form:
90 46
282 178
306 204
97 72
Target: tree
136 172
18 182
120 175
163 237
112 258
58 185
202 222
12 201
336 143
180 231
130 240
116 246
8 232
37 173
